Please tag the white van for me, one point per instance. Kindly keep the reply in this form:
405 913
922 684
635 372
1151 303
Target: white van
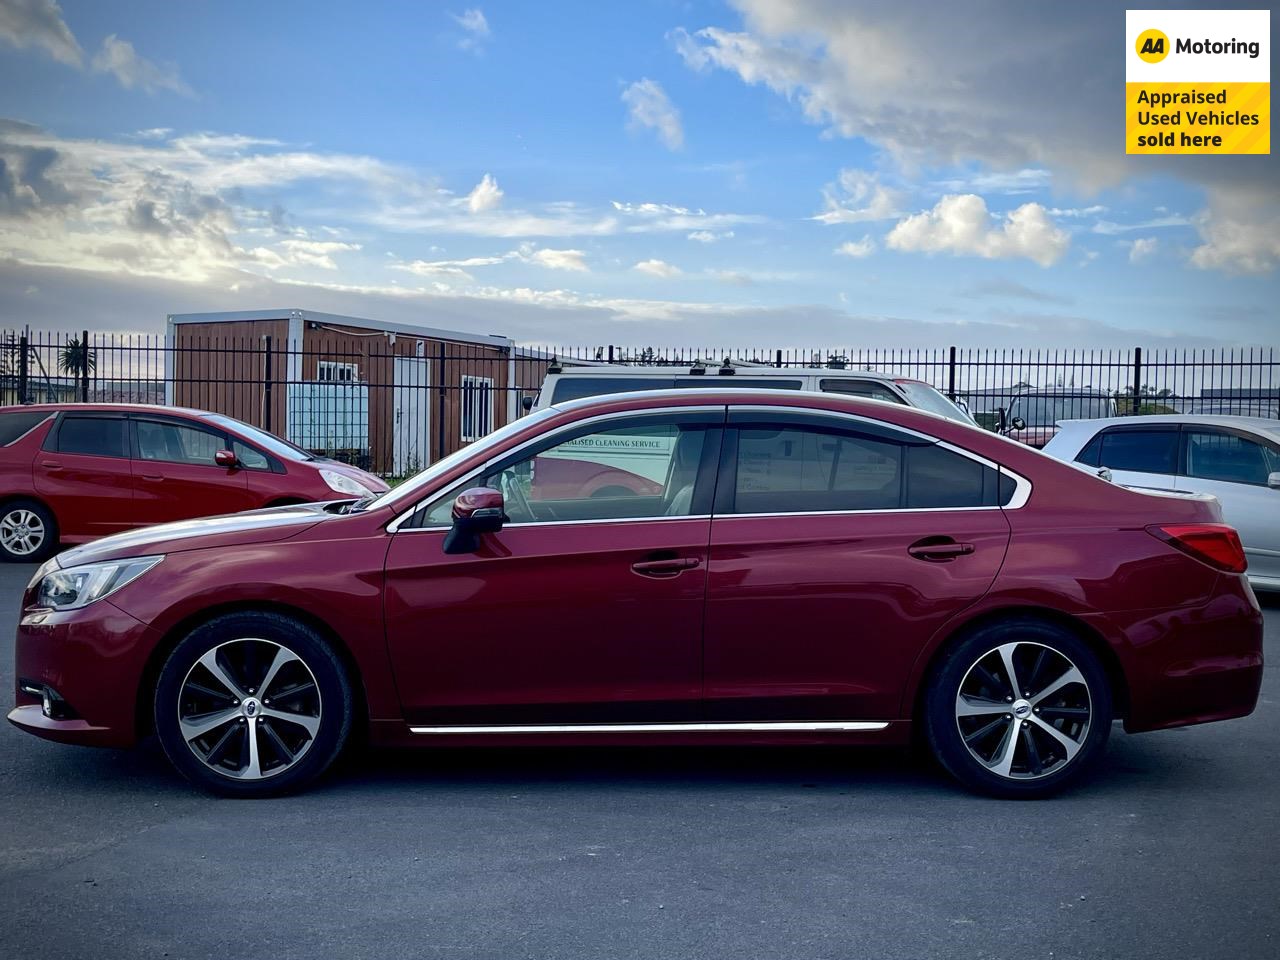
574 383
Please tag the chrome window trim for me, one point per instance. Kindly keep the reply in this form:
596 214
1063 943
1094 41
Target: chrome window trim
460 483
749 726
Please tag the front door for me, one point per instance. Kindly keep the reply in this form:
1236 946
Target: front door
836 554
586 607
175 476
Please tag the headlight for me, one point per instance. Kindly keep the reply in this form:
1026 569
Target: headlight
344 484
76 587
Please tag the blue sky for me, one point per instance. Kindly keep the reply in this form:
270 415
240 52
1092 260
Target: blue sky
755 173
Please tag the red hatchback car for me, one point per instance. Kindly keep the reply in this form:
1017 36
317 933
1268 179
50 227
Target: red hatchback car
812 569
72 472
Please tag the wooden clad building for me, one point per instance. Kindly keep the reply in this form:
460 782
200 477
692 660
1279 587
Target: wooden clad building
390 397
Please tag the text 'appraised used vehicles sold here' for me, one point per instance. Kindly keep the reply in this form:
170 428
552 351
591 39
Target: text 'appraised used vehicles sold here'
808 567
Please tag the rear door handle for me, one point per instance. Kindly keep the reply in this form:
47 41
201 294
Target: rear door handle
939 549
51 464
664 569
153 477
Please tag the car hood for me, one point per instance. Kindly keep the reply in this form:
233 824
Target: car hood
252 526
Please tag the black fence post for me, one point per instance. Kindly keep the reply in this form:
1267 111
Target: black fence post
23 369
951 376
611 353
777 362
266 385
86 358
440 442
1137 380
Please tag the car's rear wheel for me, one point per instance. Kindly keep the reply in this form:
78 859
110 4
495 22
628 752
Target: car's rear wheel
28 532
1019 708
253 704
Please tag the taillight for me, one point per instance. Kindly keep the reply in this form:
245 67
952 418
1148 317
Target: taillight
1216 544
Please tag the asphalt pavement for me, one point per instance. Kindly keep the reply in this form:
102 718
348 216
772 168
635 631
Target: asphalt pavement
656 853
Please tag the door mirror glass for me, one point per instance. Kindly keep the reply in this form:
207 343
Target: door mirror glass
476 511
225 458
1273 480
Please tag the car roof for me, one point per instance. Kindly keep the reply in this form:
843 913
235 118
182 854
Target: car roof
1257 424
683 370
109 408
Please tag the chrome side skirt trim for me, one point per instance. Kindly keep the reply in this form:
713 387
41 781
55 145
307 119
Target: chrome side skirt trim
785 726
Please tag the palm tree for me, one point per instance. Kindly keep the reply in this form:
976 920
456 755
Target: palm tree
77 359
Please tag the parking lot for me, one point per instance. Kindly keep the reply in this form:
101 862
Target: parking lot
645 853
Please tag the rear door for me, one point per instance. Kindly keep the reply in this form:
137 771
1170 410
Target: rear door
83 473
838 548
174 474
1233 465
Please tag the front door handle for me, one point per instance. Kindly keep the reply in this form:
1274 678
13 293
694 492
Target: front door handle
665 569
153 477
939 549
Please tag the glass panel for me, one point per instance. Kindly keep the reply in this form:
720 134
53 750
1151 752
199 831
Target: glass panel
249 457
793 470
939 478
861 388
575 388
94 436
1141 451
1225 456
177 444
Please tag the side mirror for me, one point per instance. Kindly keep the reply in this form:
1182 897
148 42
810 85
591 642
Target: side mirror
1018 423
475 511
225 458
526 403
1273 480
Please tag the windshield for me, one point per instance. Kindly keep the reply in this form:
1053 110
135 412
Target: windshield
1042 411
415 484
927 398
268 441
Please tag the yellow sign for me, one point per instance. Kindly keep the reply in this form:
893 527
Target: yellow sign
1198 81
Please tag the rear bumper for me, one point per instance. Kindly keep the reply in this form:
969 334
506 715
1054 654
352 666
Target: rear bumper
1197 665
94 659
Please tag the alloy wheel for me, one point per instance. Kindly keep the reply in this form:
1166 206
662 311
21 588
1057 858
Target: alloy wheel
1023 710
249 709
22 532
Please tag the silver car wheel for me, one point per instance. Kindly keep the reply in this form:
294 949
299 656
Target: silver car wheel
1023 710
22 532
249 709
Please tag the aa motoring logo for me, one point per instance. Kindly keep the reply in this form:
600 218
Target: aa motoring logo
1152 46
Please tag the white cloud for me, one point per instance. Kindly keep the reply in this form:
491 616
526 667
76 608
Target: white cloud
476 26
1027 180
661 217
857 248
1144 248
39 23
118 58
316 253
709 236
658 268
485 195
448 268
960 224
1239 231
558 259
649 106
859 197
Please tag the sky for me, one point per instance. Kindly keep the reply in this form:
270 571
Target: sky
751 173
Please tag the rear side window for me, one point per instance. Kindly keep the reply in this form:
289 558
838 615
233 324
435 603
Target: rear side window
19 423
575 388
92 436
175 443
1212 455
1140 451
936 477
860 388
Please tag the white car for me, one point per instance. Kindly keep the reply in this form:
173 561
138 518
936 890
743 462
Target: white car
573 383
1236 459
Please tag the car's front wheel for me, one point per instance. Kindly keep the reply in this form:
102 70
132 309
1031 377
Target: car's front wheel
1019 708
253 704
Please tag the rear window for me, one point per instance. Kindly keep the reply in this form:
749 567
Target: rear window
92 436
16 424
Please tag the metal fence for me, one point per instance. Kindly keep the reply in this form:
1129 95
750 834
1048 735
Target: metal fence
393 412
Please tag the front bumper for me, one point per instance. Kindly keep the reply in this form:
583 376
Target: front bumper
95 659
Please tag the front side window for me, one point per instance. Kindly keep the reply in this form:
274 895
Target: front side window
93 436
477 407
250 457
1214 455
860 388
1140 451
623 473
175 443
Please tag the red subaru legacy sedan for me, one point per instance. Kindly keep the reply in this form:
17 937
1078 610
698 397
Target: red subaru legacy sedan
813 568
73 472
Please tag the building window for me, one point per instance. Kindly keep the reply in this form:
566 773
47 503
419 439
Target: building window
477 407
330 371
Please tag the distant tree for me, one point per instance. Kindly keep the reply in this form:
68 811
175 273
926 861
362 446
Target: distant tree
77 359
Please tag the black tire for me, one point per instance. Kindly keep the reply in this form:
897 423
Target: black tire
311 689
1042 762
10 551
